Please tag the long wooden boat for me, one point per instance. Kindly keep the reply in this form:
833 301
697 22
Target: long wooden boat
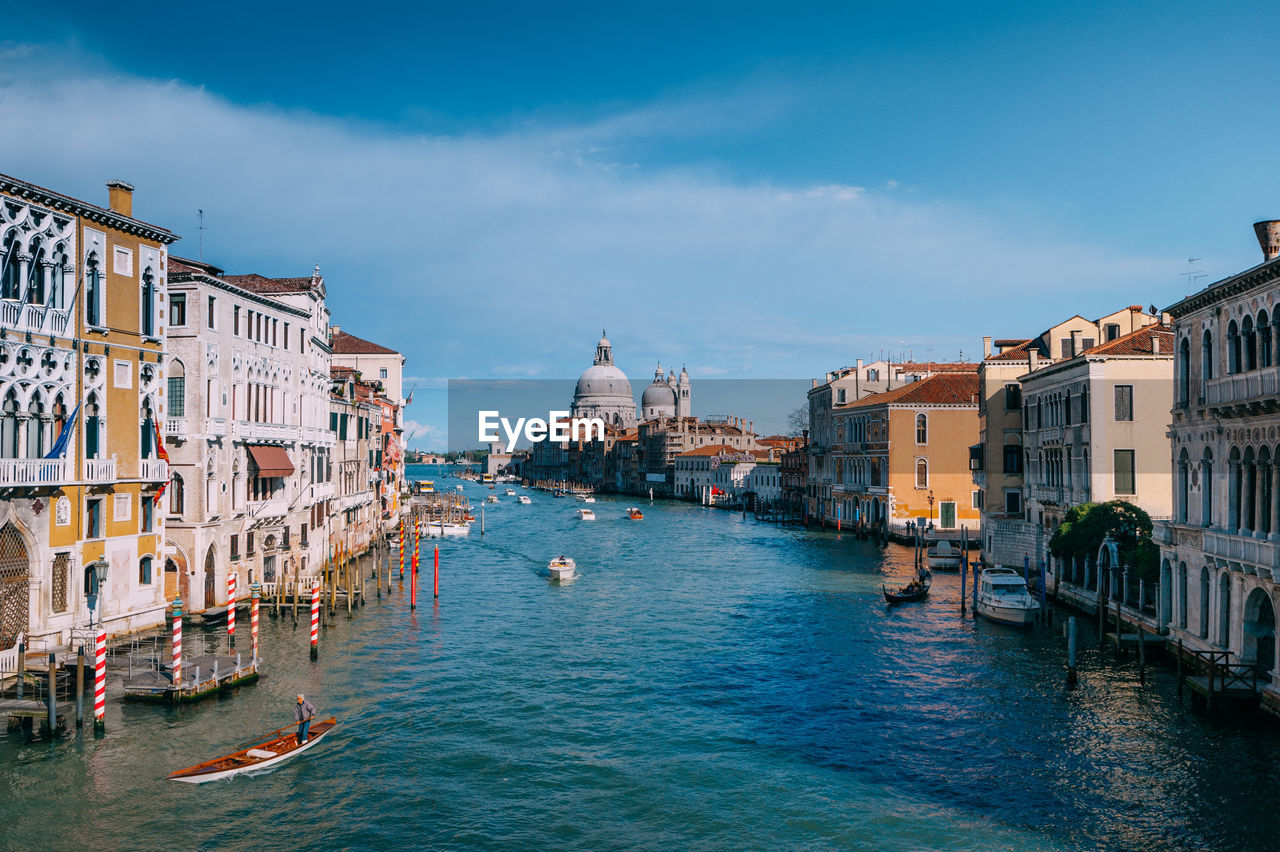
265 754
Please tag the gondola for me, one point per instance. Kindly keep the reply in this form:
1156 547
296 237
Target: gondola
277 749
916 590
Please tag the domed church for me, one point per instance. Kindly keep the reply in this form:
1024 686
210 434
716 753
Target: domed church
666 397
603 390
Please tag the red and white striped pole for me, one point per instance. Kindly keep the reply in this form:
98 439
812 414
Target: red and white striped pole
435 579
100 680
315 619
256 591
176 667
231 607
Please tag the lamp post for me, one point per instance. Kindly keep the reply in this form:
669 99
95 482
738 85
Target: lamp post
95 581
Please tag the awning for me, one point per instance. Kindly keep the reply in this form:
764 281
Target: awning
271 461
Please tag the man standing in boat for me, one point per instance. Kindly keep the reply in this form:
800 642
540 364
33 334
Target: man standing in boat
302 712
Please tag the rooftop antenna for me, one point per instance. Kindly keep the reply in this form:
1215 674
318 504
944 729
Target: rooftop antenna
1193 275
201 229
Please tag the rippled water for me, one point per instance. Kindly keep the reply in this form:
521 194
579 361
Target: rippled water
709 682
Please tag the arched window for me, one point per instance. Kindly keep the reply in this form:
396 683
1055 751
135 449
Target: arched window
148 304
9 425
1235 493
1206 359
922 429
1250 361
177 495
36 272
92 291
144 571
177 390
92 427
1224 609
1183 486
922 473
1206 488
1264 491
1182 595
1204 603
10 268
1233 348
35 427
1184 372
1264 340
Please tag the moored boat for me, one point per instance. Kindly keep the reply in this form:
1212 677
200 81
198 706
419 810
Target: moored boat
944 554
270 752
562 568
1003 597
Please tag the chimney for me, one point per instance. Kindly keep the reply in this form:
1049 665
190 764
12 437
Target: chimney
1033 359
986 346
1155 343
1075 342
120 197
1268 232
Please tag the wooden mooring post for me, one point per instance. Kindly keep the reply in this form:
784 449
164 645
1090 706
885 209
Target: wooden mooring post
1179 669
52 699
1071 652
1119 648
964 566
1142 655
80 686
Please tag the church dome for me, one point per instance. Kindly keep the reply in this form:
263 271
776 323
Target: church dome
602 380
658 393
604 391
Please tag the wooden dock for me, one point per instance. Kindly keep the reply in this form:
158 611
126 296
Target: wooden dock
201 677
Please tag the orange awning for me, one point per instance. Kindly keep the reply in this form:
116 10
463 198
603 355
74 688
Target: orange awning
271 461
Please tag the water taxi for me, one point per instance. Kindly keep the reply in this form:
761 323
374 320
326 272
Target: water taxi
635 514
268 753
524 499
944 555
448 529
562 568
1003 597
586 515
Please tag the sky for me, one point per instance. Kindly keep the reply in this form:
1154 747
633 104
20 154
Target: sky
752 190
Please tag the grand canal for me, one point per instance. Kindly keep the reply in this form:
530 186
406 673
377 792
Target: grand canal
708 681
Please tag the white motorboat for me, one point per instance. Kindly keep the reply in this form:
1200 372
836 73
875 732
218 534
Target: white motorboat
586 498
492 498
510 492
562 568
1003 596
586 515
448 529
944 554
525 499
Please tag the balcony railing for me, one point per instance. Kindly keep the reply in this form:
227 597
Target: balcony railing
266 431
154 470
176 427
1047 493
216 426
1242 387
1243 548
33 472
100 470
37 319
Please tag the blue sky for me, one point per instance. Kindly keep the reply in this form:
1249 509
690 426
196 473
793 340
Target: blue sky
754 190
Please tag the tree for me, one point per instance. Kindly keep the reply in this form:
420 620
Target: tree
798 421
1086 526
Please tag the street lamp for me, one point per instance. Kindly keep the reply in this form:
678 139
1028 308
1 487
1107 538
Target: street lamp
930 507
95 579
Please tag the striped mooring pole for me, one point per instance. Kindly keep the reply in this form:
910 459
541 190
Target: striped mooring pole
416 539
256 591
176 666
315 619
435 574
401 547
231 608
100 680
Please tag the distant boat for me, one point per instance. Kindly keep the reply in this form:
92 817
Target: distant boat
491 498
449 529
562 568
524 499
944 554
511 492
265 754
916 590
586 515
635 514
586 498
1003 597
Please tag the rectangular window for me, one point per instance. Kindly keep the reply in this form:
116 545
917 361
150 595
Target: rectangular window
144 571
1013 458
248 543
235 320
1012 397
1065 343
1086 343
382 372
1124 403
275 332
213 314
235 546
1113 330
1013 502
286 336
177 310
93 521
284 537
976 496
177 396
1124 472
148 514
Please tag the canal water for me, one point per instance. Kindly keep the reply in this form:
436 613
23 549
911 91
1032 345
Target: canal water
708 681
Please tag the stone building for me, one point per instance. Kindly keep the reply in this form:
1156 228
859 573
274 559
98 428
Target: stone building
248 434
998 457
1220 555
82 323
354 518
603 390
385 368
712 474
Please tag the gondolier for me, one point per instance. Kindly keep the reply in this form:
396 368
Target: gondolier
302 712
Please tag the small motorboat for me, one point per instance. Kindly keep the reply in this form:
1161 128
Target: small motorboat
586 515
510 492
635 514
585 498
916 590
944 554
1003 597
491 498
524 499
270 752
562 568
444 530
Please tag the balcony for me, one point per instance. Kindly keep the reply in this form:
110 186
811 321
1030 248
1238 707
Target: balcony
1247 392
262 511
1242 548
266 431
1047 493
153 470
33 472
100 470
176 427
215 426
313 435
36 319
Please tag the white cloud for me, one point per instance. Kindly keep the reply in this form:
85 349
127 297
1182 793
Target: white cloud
504 254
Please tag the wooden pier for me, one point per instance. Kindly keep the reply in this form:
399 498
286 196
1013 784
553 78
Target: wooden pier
201 677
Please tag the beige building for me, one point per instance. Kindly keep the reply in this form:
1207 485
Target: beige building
997 460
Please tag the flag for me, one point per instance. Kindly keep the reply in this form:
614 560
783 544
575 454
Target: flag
164 454
64 437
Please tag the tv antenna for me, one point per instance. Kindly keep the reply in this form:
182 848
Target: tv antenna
201 229
1193 275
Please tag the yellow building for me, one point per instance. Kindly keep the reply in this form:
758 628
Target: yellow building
903 455
81 329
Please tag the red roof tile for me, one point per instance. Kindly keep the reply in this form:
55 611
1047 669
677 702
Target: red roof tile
255 283
711 450
939 389
348 344
1137 342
